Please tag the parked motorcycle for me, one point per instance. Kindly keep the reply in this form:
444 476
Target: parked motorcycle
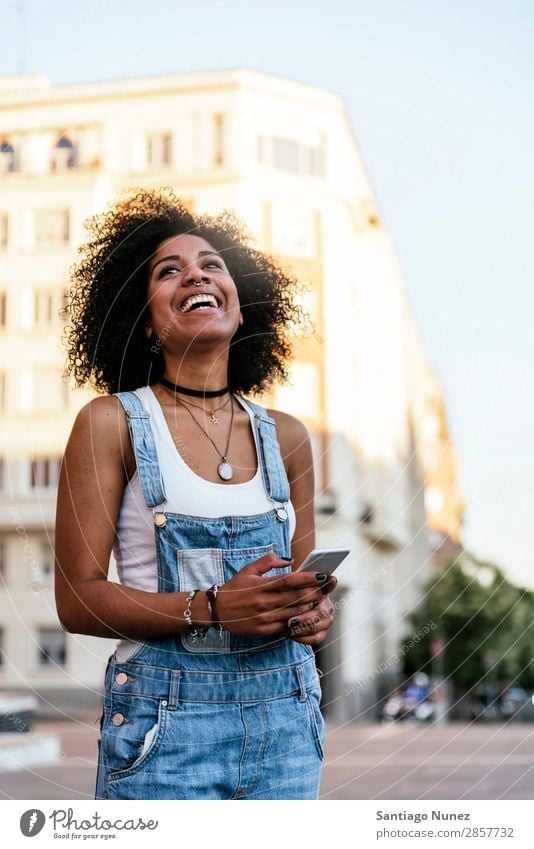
412 702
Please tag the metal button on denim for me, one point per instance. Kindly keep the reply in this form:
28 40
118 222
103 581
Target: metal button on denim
118 719
121 678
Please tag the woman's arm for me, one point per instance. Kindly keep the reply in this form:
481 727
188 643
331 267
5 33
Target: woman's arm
97 462
298 460
296 451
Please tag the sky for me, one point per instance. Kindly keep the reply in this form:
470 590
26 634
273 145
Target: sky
440 97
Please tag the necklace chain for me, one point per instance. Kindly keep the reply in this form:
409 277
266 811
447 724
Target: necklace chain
210 413
224 469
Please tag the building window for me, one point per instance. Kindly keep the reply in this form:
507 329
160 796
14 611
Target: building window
64 155
290 156
159 150
46 560
3 310
52 648
43 307
4 232
47 307
218 140
8 158
285 155
52 228
44 472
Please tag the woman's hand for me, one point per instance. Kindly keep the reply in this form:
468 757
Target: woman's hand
251 604
312 627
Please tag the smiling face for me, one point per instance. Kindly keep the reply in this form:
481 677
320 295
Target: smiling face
191 295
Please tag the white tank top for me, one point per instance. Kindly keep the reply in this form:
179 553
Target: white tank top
187 493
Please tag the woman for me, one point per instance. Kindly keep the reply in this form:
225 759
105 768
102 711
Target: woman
212 692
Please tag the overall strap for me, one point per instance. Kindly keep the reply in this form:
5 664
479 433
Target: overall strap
270 458
144 449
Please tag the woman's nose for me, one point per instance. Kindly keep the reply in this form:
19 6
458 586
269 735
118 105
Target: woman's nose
194 277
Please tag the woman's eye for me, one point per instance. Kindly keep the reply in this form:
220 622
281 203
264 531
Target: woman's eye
168 269
172 270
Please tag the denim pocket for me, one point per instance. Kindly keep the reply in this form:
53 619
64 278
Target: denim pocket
200 568
132 734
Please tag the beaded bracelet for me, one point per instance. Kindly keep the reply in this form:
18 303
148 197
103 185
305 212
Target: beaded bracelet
211 595
196 631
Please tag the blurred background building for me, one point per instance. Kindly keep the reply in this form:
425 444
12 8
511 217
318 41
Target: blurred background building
283 156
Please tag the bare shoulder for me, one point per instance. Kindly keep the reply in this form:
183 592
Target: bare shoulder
101 424
296 450
104 414
293 434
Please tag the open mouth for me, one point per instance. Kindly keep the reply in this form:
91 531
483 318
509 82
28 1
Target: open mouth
199 302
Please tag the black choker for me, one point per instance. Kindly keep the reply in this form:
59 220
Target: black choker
196 393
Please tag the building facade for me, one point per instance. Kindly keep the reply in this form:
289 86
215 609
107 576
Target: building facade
283 156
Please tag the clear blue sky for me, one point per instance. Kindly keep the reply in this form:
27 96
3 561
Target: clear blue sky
440 94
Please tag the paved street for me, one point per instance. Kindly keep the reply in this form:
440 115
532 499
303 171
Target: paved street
457 761
362 762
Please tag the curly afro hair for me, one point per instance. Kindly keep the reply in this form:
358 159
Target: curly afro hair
107 310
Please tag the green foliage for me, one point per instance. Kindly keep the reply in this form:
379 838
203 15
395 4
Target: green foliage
486 623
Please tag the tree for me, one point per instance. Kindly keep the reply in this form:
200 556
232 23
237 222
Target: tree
485 622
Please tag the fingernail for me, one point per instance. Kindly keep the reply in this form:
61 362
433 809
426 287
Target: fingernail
286 558
321 576
325 590
315 604
294 623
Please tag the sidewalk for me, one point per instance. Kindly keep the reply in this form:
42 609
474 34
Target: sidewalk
399 761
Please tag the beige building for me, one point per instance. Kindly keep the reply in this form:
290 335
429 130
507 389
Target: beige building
284 157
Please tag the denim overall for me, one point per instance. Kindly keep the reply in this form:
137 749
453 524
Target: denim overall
231 717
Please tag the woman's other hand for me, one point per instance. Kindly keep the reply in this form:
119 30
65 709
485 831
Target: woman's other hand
312 627
252 604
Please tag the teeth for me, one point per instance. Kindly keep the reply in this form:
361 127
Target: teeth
207 300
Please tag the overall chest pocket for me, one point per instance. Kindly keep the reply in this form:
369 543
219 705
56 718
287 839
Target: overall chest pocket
200 568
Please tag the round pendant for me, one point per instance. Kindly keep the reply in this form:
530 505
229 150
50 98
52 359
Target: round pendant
225 471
